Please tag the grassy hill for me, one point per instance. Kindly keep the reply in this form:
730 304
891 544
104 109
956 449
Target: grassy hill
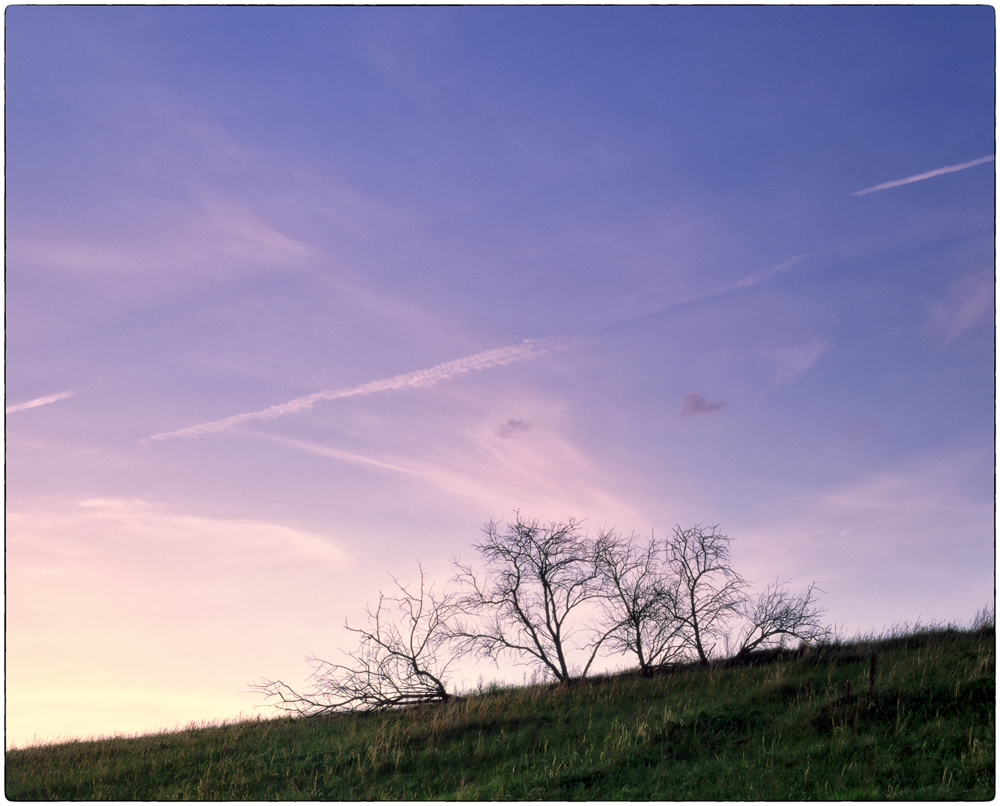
915 723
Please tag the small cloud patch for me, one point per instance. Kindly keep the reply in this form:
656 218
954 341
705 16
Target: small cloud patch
511 427
695 403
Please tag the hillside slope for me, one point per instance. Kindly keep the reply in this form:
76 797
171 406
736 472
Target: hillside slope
917 723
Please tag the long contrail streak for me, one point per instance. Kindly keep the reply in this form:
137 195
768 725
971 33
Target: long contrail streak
747 282
38 401
936 172
528 349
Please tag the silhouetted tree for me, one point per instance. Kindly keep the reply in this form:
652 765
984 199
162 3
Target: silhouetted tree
775 616
402 658
526 603
709 592
640 599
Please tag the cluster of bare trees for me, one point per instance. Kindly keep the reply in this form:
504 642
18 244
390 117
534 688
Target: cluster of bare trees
552 596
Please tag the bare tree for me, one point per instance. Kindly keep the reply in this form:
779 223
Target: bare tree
775 616
401 659
640 600
525 605
710 593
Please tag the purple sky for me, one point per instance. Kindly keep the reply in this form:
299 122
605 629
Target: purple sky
297 297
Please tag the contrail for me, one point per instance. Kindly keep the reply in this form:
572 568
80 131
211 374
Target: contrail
528 349
754 279
936 172
38 401
747 282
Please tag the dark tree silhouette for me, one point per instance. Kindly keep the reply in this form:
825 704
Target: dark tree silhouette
709 592
640 600
775 616
402 659
526 604
551 596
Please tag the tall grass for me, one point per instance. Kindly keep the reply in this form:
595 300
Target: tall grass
917 722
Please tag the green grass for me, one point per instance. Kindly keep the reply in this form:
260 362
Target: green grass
801 726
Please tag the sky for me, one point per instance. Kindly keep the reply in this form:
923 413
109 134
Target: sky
298 298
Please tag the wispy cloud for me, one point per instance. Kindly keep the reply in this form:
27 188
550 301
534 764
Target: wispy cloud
528 349
791 362
928 175
204 233
38 401
547 475
914 490
695 403
969 300
124 529
242 233
333 453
